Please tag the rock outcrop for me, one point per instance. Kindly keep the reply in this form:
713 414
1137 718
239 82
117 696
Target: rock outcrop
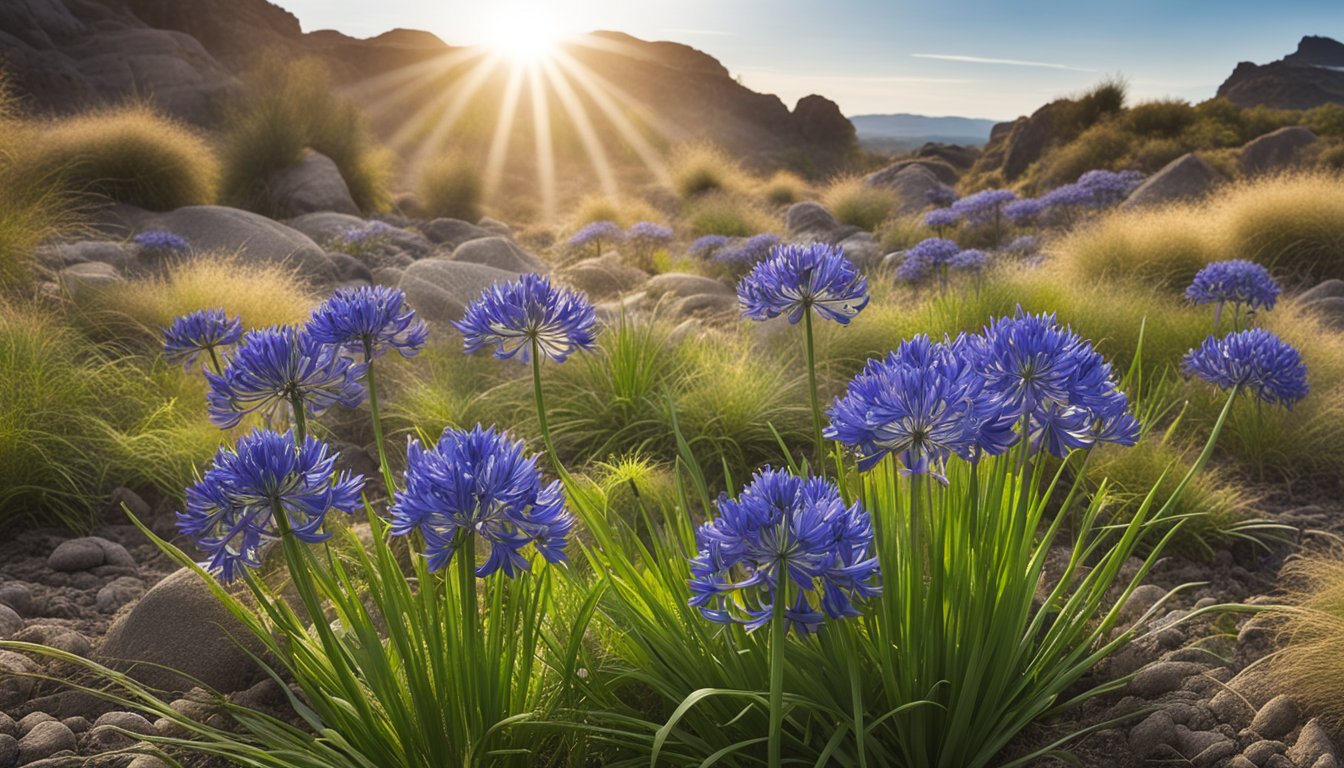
1309 77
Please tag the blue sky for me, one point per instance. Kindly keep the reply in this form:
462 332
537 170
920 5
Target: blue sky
988 58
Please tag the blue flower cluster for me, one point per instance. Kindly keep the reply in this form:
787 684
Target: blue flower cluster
784 527
232 512
1094 189
1023 211
941 218
741 257
512 316
1255 361
649 234
705 246
369 234
984 206
978 395
935 255
206 331
163 242
275 369
367 321
796 279
480 483
596 234
1237 282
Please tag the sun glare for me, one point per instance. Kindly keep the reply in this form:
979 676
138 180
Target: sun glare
526 34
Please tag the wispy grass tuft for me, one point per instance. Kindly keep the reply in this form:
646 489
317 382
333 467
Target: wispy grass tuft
699 169
451 187
854 203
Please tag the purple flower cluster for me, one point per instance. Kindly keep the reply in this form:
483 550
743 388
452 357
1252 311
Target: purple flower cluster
278 368
1255 361
741 257
596 234
705 246
934 255
1237 282
790 528
367 321
1094 189
1024 211
796 279
649 233
160 241
369 234
480 484
515 315
207 331
232 512
985 206
978 395
941 218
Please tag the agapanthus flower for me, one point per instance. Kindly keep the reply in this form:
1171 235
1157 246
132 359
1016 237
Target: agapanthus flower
203 331
157 240
649 233
741 257
480 483
1024 210
971 260
272 368
799 278
941 195
707 245
1236 282
512 316
367 321
941 218
925 402
1256 360
784 527
1109 187
984 206
371 232
927 256
597 233
231 512
1039 370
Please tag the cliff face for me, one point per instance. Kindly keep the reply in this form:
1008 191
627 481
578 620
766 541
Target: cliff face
1309 77
186 55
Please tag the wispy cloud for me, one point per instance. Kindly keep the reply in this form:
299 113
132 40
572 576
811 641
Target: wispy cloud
1007 62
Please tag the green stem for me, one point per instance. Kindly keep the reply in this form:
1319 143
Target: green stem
214 361
778 630
541 404
372 384
810 351
466 571
300 420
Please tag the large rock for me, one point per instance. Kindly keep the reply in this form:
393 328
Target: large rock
325 226
60 255
1185 178
603 277
912 185
820 121
83 280
440 290
1329 309
500 253
1277 151
1332 288
942 171
312 184
808 218
451 233
88 552
180 625
225 231
44 740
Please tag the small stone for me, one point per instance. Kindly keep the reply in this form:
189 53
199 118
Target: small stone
1140 600
107 729
9 751
146 761
30 721
1277 718
1215 752
77 723
1231 708
1260 752
7 726
1240 761
1152 736
119 592
45 740
1325 761
1196 742
10 622
1312 742
76 555
58 637
18 597
1278 761
1162 677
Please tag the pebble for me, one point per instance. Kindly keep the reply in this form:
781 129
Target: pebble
9 751
15 684
77 723
107 729
1277 718
30 721
1162 677
1312 742
119 592
146 761
1153 735
1260 752
10 622
1192 743
7 725
1241 761
76 555
1231 709
1278 761
1140 600
1215 752
18 597
45 740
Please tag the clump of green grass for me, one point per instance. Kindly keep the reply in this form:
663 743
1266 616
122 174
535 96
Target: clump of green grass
285 107
31 206
699 169
729 215
451 187
784 188
624 211
852 202
129 154
903 232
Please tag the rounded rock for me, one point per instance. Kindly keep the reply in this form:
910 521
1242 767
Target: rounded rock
1312 742
9 751
45 740
1153 735
1277 718
30 721
10 622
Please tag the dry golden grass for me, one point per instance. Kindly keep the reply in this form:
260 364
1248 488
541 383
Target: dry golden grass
784 188
700 169
451 187
129 154
851 202
1312 633
625 211
732 215
32 207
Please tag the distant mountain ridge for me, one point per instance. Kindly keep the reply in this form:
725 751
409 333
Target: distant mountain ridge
1309 77
905 132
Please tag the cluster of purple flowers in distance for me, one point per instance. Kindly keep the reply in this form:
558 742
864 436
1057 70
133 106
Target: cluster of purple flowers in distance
231 512
1236 282
1256 361
741 257
784 527
926 257
941 218
596 234
274 367
1094 189
649 233
480 483
941 196
1024 210
974 395
796 279
157 240
205 331
511 316
706 245
985 206
969 260
368 234
367 321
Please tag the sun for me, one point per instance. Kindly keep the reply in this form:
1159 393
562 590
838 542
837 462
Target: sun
525 34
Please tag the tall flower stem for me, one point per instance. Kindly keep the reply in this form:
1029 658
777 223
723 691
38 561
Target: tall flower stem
810 351
778 630
372 384
214 361
541 404
300 420
466 572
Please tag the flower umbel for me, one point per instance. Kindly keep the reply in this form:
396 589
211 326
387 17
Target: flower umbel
801 278
367 321
479 483
1235 281
511 316
1255 360
203 331
158 240
231 512
274 368
784 526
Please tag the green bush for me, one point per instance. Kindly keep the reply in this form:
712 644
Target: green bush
128 154
852 202
285 107
451 188
699 169
1165 118
728 215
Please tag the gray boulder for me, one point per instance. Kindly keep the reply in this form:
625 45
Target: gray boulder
225 231
862 249
1185 178
603 277
45 740
83 280
312 184
1329 309
500 253
912 185
809 219
1277 718
1276 151
325 226
88 552
349 269
180 625
60 255
1326 289
440 290
451 233
10 622
945 173
495 226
